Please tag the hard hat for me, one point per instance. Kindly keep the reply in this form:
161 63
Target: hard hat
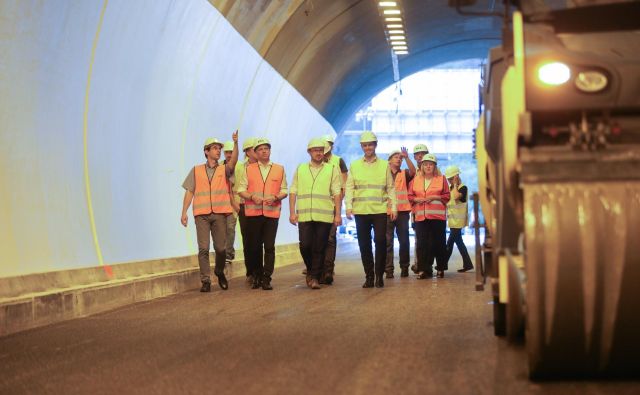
261 141
317 143
451 171
394 152
228 146
368 137
212 141
420 148
248 143
430 158
328 138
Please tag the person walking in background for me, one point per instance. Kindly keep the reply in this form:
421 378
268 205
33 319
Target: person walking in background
232 219
207 185
429 195
457 217
330 252
263 190
369 192
241 173
419 151
315 190
402 178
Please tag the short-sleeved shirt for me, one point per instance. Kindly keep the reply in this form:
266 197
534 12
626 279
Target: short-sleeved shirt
189 182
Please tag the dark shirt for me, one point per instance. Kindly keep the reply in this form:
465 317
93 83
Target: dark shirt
407 176
343 166
463 193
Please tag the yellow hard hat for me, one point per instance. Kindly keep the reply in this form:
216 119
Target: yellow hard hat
368 137
430 158
394 152
328 138
451 171
261 141
248 143
316 143
420 148
212 141
228 146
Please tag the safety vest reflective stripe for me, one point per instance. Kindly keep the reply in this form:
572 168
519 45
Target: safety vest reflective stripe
457 213
259 187
370 181
314 202
211 196
402 195
434 209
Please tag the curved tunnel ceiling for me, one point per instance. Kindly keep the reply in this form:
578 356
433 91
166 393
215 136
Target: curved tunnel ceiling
334 52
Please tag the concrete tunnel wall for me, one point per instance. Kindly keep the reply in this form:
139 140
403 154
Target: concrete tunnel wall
133 87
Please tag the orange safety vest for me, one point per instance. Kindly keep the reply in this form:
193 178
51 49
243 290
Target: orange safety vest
402 194
271 186
436 209
211 196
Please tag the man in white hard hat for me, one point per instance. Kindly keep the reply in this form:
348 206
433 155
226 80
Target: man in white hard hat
315 206
240 172
419 151
330 253
227 149
457 216
263 189
369 192
402 178
207 185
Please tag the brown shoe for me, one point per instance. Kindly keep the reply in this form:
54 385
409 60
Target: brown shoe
314 284
441 273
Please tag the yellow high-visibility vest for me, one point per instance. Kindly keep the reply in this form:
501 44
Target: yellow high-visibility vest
457 214
314 201
370 186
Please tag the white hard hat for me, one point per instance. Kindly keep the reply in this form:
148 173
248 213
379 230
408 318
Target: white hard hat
430 158
451 171
248 143
228 146
420 148
261 141
316 143
368 137
394 152
328 138
212 141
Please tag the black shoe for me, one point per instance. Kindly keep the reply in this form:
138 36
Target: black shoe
389 275
256 282
328 280
368 283
424 275
414 268
379 281
441 273
249 280
404 272
206 287
266 284
314 284
465 269
222 281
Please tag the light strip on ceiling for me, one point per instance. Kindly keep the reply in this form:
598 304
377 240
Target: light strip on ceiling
387 4
392 12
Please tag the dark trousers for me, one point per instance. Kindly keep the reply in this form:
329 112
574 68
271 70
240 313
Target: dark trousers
313 241
431 238
455 236
243 232
261 233
330 252
211 226
401 226
364 224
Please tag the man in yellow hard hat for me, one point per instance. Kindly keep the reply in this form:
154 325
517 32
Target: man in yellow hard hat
227 149
263 189
330 252
402 178
240 172
457 216
370 191
419 151
315 207
207 185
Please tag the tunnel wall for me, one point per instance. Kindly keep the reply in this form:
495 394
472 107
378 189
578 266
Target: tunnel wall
104 109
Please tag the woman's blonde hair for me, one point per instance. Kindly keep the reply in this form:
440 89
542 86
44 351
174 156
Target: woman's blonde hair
436 170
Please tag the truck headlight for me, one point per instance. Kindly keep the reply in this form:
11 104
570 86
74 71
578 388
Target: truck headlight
591 81
554 73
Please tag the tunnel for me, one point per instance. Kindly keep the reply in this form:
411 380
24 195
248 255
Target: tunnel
104 108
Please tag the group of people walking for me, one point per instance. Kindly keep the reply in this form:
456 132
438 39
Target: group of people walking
381 196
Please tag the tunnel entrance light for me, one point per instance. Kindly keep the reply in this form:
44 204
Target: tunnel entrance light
554 73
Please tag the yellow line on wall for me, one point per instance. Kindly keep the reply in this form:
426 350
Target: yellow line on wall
246 95
275 101
85 133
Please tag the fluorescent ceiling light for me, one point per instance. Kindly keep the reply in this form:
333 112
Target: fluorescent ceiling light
397 38
397 43
394 26
392 12
400 31
393 19
402 52
387 4
401 48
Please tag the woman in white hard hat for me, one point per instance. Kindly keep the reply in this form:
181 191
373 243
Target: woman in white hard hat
457 216
429 195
